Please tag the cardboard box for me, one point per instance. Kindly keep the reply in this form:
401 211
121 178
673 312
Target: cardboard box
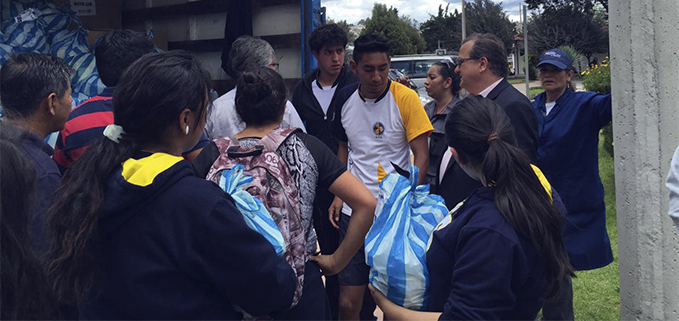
108 14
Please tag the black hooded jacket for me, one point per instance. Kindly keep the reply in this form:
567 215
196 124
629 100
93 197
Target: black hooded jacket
317 123
174 246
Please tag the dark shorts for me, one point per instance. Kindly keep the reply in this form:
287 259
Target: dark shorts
356 272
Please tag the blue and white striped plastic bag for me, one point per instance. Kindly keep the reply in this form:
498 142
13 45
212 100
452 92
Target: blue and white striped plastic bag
254 212
24 34
90 86
54 19
396 244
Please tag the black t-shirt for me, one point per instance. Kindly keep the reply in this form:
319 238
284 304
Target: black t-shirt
310 162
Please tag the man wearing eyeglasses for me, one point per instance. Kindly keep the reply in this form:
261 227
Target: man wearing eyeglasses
482 66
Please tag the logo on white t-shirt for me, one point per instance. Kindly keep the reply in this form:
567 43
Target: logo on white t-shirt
378 129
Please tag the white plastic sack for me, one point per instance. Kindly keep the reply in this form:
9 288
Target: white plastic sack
396 244
254 212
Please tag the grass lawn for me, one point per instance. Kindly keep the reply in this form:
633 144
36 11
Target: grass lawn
534 91
596 293
515 81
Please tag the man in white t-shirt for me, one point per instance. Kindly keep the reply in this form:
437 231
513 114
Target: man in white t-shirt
377 122
247 53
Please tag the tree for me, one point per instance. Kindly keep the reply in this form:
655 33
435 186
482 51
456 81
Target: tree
347 28
547 5
400 32
485 16
443 28
586 32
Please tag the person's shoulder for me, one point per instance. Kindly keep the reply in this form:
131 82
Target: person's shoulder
225 99
96 104
344 93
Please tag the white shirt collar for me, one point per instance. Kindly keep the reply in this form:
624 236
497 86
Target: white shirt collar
490 88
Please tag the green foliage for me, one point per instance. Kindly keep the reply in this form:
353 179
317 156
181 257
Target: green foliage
585 31
598 78
444 27
399 31
575 56
486 16
585 5
347 28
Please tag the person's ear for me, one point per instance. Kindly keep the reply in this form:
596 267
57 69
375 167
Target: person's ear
185 121
51 102
316 54
483 64
458 157
354 66
448 82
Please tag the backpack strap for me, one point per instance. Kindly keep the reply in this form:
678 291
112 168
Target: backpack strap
276 137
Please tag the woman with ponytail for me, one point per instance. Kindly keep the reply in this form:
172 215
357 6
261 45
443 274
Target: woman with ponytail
500 253
134 235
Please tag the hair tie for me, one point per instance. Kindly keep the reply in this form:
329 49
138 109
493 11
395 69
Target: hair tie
114 132
493 137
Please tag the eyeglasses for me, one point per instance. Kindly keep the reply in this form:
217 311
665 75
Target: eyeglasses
460 61
274 65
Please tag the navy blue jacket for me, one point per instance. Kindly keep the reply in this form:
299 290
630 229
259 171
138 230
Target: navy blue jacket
178 248
48 180
480 268
569 157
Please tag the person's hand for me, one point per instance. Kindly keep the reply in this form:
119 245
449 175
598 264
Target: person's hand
335 211
327 264
382 301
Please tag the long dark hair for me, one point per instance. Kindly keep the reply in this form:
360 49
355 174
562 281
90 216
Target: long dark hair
24 291
149 98
480 129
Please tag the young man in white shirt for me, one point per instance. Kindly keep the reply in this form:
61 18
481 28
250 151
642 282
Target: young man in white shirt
377 122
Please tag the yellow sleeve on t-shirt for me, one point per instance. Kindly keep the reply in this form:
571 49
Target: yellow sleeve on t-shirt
414 117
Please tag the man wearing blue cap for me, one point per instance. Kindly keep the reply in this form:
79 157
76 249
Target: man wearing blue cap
568 129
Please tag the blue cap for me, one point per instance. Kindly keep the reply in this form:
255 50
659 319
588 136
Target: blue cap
556 57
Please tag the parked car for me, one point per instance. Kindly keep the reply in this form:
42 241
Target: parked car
416 67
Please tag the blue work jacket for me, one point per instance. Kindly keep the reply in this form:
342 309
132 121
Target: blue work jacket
568 142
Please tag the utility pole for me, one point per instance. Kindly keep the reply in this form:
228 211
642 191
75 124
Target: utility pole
464 23
525 50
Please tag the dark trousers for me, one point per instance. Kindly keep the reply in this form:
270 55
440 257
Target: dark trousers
313 304
561 306
328 239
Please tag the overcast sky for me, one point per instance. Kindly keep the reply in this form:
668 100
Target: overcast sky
354 10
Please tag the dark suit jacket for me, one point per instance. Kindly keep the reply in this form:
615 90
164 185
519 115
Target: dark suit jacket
456 185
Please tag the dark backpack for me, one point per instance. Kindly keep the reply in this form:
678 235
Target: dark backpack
274 186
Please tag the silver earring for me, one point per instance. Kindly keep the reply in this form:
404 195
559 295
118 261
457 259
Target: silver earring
187 129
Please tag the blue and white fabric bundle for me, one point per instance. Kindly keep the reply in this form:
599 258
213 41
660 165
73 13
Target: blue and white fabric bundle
254 212
396 244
